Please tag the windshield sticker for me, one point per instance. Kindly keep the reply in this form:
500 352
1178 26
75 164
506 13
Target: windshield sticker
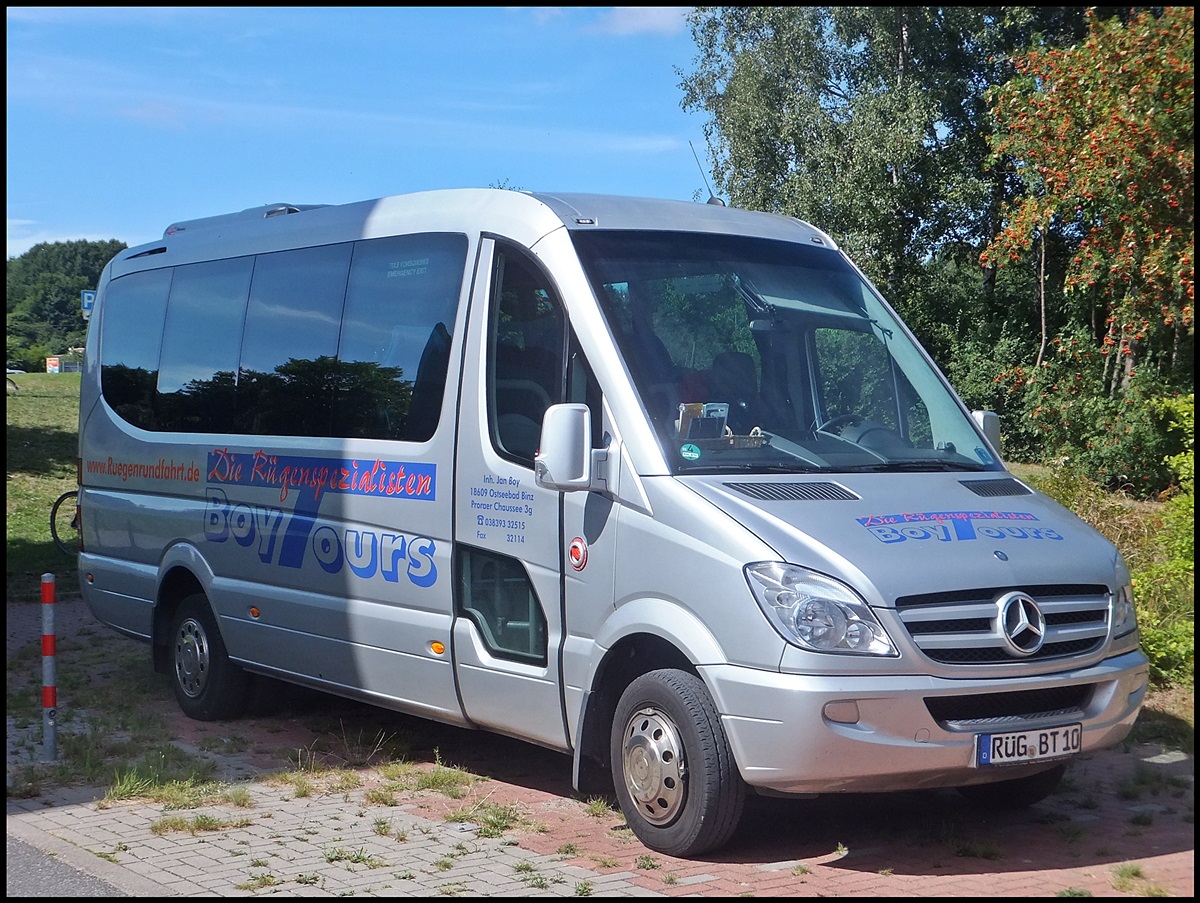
956 526
690 452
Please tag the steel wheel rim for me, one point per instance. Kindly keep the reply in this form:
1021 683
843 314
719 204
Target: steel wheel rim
653 765
191 657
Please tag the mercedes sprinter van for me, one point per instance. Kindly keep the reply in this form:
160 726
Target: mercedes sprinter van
668 487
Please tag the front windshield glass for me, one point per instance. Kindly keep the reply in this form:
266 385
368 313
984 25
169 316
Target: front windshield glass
759 355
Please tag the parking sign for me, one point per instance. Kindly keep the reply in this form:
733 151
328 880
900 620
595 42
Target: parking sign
87 299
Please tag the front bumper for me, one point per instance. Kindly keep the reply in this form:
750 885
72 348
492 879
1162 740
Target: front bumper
794 733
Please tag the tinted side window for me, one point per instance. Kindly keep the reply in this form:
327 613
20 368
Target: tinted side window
856 377
299 342
583 388
289 345
396 332
201 338
525 372
496 594
131 321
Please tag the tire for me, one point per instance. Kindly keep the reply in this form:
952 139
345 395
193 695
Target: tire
208 686
673 770
1018 793
64 532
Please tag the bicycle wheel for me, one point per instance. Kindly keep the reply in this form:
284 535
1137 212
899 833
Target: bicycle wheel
64 522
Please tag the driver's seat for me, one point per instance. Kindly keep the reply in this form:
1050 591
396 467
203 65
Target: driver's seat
733 379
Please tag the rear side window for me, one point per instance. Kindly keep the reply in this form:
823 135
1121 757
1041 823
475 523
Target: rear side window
350 340
395 344
289 345
131 331
201 338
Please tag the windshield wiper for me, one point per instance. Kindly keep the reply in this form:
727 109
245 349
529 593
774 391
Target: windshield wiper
913 467
754 468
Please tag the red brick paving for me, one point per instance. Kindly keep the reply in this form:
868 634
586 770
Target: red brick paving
1130 808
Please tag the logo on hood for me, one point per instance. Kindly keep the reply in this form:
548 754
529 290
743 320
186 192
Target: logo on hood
957 526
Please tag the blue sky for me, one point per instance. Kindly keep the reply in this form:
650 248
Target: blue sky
123 120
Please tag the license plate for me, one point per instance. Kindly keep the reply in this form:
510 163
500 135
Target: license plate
1028 746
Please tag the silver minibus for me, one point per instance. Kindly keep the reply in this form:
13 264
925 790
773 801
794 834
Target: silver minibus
665 486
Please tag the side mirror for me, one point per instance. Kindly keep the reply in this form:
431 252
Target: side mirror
989 423
564 459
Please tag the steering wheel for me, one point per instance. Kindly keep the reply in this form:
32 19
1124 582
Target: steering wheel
840 420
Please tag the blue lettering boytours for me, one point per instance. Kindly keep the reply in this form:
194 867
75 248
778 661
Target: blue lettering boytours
956 526
278 539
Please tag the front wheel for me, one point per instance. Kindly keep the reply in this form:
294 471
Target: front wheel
673 770
208 686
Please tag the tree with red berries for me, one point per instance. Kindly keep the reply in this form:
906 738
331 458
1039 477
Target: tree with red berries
1101 137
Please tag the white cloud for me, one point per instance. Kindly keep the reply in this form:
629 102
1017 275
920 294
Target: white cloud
625 20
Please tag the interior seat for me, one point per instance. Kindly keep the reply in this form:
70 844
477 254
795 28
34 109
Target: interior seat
733 379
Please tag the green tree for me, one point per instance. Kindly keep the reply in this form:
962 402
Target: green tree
44 286
875 123
871 122
1098 139
1102 138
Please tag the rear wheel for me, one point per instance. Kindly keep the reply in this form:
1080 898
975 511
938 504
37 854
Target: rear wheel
208 686
64 522
672 766
1018 793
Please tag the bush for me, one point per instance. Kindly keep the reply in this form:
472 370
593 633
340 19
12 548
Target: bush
1063 412
1166 590
982 373
1156 540
1123 443
1171 649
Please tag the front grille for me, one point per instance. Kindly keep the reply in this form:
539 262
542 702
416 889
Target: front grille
965 627
975 711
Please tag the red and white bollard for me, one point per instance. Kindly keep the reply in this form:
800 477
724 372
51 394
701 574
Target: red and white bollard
49 681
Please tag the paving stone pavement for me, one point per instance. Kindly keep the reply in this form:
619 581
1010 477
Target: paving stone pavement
1123 826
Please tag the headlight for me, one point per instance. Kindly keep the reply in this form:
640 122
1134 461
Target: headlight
1124 617
816 612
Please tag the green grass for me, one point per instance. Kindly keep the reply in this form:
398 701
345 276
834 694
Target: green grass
42 451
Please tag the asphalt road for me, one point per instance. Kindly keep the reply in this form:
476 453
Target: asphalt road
32 872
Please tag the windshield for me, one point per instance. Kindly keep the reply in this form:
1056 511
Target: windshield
760 355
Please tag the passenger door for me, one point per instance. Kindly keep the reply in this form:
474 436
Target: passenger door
508 624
